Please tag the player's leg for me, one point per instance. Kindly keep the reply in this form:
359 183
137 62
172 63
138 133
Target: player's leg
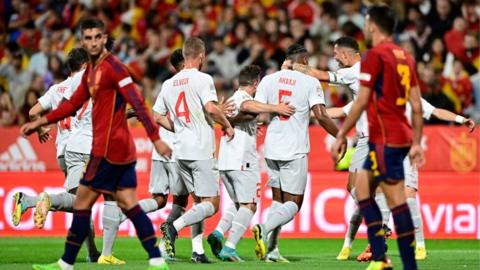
247 188
215 239
196 234
411 189
178 190
273 251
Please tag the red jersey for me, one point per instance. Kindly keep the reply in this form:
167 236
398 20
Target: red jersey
111 87
389 71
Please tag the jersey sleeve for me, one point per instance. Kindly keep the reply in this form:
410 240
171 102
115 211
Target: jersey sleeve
369 69
208 92
427 109
46 101
159 106
315 94
69 107
126 87
238 98
347 108
261 95
344 76
76 81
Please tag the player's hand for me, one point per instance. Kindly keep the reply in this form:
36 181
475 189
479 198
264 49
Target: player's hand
229 132
469 123
228 108
305 69
30 127
163 149
416 156
43 134
287 64
131 113
285 109
339 148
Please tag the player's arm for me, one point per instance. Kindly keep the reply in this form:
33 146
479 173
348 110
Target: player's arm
336 112
63 111
324 119
416 153
163 121
253 106
445 115
321 75
241 117
219 117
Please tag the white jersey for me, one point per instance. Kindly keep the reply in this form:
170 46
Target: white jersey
184 96
241 152
167 136
81 137
287 138
50 101
350 77
427 110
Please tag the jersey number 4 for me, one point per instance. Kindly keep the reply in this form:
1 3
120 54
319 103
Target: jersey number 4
181 107
404 72
283 93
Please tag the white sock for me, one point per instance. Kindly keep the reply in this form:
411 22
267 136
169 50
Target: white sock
417 221
156 261
62 201
148 205
176 212
355 222
239 226
273 236
382 204
30 201
196 214
197 244
111 221
64 265
281 216
225 222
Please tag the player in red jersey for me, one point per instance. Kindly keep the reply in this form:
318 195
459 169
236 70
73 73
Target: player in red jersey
111 168
388 81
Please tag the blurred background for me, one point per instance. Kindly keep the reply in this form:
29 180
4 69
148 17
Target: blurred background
36 35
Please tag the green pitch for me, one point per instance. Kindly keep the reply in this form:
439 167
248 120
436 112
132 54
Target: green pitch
305 254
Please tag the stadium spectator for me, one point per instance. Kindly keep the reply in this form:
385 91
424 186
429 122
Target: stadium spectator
454 37
15 79
39 61
31 98
457 86
56 71
8 115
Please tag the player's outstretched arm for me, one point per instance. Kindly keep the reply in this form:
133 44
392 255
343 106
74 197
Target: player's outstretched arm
416 152
253 106
445 115
321 75
42 132
324 119
163 121
218 116
336 112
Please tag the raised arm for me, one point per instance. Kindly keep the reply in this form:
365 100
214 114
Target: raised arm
445 115
316 73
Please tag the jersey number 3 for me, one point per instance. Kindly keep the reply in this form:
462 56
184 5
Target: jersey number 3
181 107
404 72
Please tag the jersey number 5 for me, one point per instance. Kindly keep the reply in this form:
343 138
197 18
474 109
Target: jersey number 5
283 93
181 107
404 72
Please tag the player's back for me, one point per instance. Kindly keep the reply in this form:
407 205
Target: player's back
390 72
287 137
185 96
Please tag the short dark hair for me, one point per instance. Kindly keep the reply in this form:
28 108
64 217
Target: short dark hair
177 60
90 23
347 42
249 75
76 58
295 51
383 17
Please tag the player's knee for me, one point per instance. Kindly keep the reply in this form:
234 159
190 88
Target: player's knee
251 206
161 200
181 200
410 192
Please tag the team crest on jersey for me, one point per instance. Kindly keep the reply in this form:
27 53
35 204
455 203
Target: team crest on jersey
463 153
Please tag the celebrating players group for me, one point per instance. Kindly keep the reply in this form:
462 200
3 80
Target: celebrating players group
96 151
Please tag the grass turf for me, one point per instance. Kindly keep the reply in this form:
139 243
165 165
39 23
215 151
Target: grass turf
20 253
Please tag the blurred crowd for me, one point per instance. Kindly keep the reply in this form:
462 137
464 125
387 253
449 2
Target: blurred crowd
36 35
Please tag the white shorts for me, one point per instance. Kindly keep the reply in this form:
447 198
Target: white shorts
242 186
288 175
61 163
200 176
411 174
359 156
164 177
76 165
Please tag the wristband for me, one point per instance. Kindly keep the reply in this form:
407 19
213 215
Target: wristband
459 119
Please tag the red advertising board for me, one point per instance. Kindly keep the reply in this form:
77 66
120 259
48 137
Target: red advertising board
450 206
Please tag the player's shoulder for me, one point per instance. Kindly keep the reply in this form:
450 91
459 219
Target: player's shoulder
114 63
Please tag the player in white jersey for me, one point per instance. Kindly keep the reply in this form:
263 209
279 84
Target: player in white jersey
346 53
287 141
76 62
191 99
411 177
238 164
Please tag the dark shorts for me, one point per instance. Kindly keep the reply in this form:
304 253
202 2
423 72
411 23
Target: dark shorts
386 162
106 177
